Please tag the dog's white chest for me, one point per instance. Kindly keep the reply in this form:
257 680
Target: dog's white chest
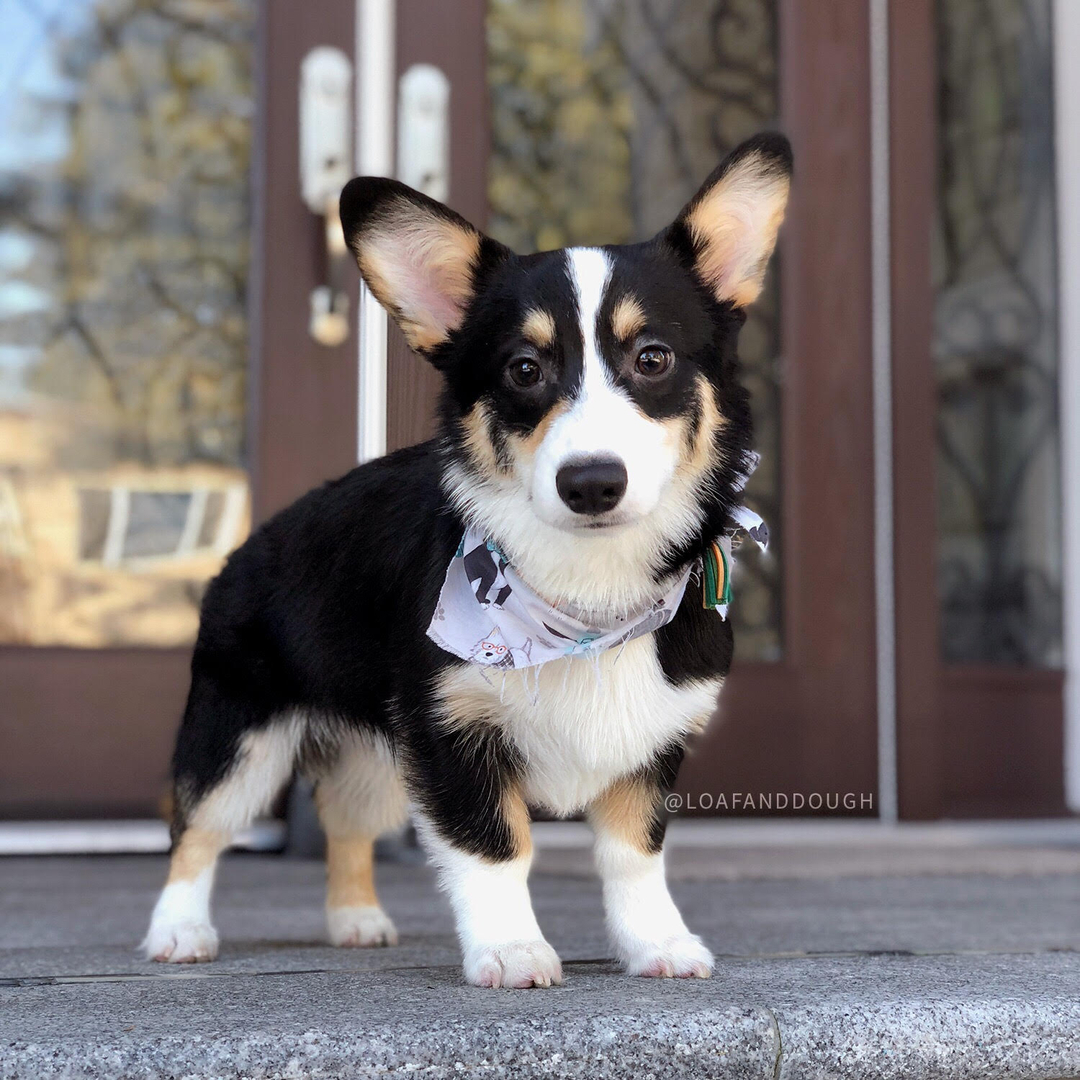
580 724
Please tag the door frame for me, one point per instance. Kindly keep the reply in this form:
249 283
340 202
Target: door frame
1066 16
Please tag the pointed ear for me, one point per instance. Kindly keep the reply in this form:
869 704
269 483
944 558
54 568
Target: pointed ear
420 259
729 228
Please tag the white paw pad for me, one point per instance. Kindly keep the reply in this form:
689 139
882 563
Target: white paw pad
180 942
680 957
360 927
513 964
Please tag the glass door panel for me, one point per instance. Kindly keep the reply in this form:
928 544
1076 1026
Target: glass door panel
125 148
995 336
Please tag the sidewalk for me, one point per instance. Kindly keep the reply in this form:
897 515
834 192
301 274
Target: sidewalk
842 952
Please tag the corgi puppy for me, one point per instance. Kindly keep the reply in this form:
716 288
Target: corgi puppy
594 436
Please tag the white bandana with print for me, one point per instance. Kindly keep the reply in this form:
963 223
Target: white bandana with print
488 616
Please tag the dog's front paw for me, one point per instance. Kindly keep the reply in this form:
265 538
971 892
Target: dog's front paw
180 942
682 956
516 964
360 927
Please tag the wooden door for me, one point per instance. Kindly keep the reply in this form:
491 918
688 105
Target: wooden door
159 389
977 446
592 123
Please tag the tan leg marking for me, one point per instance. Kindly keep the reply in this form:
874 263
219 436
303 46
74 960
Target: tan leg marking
358 799
180 929
196 850
516 814
648 933
627 811
350 872
353 914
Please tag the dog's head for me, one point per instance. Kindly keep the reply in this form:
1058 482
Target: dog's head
589 390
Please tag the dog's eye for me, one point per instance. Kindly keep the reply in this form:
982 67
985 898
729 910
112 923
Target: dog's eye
653 361
525 372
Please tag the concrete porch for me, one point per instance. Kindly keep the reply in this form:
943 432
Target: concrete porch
844 950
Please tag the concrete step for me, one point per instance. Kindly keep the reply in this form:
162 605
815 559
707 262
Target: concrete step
920 973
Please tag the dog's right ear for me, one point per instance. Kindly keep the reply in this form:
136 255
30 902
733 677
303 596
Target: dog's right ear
421 260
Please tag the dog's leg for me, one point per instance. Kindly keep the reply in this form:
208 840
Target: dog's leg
205 821
360 798
475 829
180 928
648 933
501 942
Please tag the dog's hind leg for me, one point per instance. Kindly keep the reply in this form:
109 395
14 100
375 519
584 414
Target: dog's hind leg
180 928
226 773
358 798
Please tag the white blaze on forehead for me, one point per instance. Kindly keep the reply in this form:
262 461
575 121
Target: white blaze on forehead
590 269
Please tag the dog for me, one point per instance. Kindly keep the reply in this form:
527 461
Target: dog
593 427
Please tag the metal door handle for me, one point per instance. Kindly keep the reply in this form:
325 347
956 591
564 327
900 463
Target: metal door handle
325 166
423 145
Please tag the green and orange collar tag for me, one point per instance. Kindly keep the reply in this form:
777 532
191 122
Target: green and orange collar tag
717 562
716 575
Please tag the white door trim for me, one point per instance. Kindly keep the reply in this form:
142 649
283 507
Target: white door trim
375 101
881 364
1066 34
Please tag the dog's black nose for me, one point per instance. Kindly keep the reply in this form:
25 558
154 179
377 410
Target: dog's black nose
592 487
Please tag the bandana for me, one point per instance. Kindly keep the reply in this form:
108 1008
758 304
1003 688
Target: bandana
487 615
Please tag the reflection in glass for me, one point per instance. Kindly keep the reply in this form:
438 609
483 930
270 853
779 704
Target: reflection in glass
606 117
995 340
125 139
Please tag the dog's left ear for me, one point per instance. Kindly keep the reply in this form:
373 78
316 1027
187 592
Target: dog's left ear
728 230
422 261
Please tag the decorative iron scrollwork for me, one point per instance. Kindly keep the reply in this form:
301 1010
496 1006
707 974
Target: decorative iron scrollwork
995 340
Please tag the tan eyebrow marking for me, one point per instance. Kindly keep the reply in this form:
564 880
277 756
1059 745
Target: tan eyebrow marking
539 327
627 318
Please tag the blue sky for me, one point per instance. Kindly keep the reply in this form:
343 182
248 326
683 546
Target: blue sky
27 71
29 141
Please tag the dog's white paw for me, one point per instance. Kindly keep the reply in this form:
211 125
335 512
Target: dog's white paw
360 927
180 942
682 956
513 964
